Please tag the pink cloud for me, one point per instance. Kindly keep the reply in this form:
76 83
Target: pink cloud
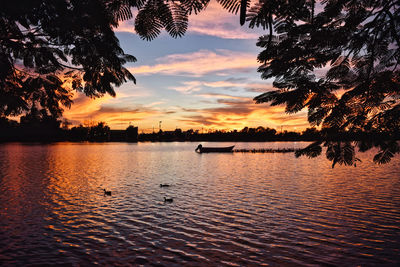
199 63
215 21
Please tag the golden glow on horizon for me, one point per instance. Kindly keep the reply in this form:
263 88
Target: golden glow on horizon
206 119
231 112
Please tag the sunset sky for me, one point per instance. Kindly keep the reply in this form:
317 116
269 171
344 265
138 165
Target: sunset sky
204 80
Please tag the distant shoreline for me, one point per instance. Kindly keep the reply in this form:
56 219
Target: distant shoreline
129 142
49 133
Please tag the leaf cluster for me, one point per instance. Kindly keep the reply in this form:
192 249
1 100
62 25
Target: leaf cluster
340 63
154 15
50 48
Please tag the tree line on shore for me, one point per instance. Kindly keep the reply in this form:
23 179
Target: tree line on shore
45 128
50 129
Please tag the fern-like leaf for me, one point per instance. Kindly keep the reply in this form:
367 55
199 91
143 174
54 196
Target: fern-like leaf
313 150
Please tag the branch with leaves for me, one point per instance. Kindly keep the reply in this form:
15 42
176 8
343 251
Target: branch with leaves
355 45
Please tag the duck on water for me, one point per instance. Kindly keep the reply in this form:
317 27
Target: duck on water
168 199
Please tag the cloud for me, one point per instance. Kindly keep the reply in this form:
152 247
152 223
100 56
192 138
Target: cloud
188 87
193 86
155 104
238 112
126 26
88 109
248 87
216 21
259 87
199 63
85 105
224 84
224 112
220 96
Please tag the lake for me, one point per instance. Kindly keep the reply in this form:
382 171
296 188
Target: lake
233 209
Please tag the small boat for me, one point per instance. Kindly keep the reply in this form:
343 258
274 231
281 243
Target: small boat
202 149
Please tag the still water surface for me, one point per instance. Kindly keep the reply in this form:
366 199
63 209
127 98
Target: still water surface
238 209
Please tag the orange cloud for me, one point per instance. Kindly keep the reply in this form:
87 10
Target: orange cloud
84 105
87 109
231 112
238 112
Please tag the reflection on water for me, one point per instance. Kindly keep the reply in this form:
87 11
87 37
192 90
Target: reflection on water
228 209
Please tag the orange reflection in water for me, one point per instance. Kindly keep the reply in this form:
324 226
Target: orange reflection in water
226 206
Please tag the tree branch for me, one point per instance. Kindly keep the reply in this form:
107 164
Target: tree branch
393 27
70 67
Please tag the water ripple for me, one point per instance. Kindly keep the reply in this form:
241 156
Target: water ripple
228 209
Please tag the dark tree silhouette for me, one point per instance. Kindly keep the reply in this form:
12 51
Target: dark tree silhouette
353 45
99 132
49 48
132 133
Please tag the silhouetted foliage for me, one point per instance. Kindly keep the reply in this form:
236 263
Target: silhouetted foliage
338 59
259 134
40 127
79 133
50 48
311 134
132 133
6 123
100 132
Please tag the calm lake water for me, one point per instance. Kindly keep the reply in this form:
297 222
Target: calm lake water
238 209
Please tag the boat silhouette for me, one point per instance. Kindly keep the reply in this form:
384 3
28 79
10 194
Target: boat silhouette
202 149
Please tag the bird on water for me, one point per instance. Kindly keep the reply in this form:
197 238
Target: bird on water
107 193
168 200
164 185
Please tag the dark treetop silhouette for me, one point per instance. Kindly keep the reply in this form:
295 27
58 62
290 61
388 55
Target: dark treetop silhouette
49 48
358 43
